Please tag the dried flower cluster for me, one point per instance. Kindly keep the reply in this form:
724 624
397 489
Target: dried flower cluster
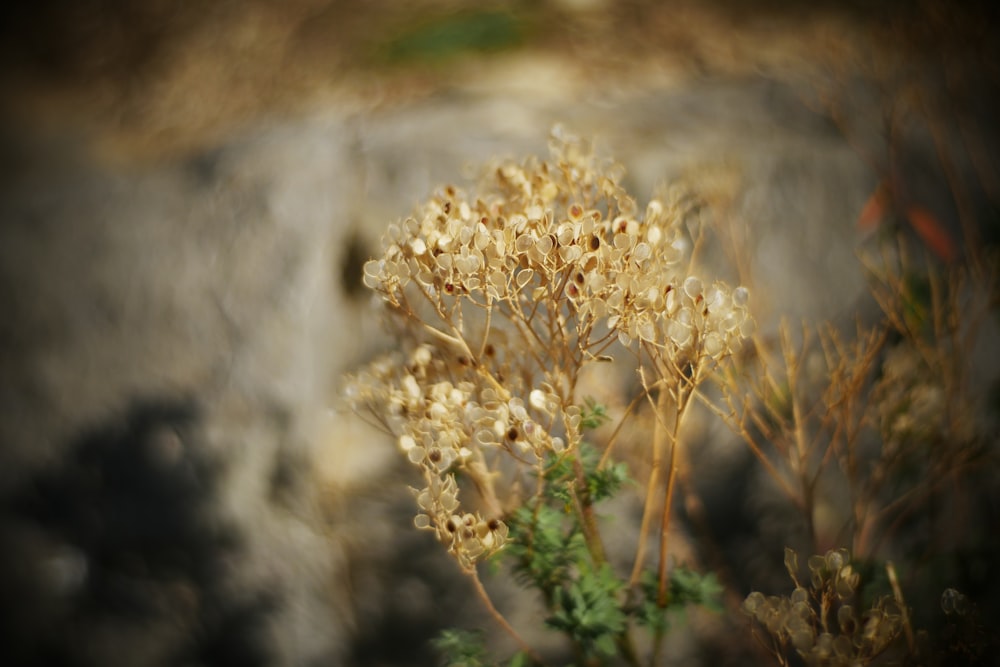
501 298
822 622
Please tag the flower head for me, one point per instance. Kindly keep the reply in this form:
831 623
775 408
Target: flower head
505 294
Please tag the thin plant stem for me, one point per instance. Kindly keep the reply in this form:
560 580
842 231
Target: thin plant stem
740 428
585 511
668 495
614 435
659 435
898 594
801 462
501 621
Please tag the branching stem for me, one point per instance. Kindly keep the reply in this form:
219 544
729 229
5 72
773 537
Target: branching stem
662 404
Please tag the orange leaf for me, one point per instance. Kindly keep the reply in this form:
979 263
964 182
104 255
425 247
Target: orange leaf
876 208
934 234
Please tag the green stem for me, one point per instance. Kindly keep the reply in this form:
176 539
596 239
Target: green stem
591 532
585 514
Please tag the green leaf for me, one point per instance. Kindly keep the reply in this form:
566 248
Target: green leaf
593 414
461 648
451 36
520 659
606 482
686 587
548 552
588 610
602 483
544 545
690 587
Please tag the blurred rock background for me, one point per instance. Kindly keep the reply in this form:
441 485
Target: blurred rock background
187 193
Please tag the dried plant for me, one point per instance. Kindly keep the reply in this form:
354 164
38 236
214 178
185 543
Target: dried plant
881 429
823 622
499 299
